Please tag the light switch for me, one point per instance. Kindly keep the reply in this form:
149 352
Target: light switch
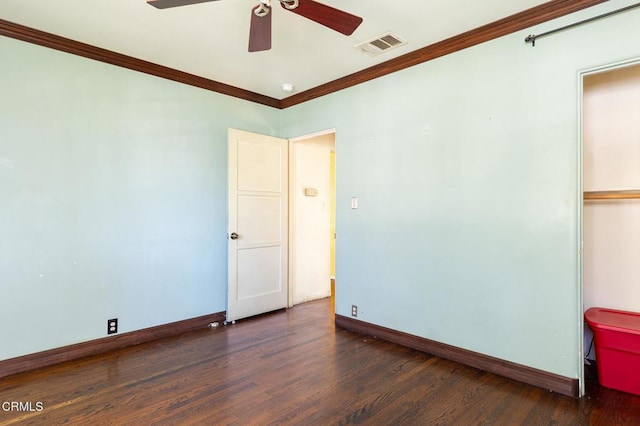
354 202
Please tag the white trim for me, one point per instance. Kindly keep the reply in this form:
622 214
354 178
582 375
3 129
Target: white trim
579 232
292 225
313 135
609 67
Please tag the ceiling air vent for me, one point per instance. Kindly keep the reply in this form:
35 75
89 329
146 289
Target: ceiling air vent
380 44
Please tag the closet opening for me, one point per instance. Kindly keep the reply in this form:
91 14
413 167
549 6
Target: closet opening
611 198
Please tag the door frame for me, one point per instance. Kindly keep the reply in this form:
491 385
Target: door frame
580 197
292 197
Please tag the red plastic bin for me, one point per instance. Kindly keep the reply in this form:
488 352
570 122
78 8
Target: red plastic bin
617 341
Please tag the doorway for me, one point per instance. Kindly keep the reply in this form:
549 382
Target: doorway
311 217
610 214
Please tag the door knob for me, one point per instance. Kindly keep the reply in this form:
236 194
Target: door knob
234 236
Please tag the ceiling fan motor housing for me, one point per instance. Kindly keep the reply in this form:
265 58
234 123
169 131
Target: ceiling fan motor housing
263 8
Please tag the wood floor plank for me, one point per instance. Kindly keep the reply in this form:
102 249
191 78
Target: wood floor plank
292 367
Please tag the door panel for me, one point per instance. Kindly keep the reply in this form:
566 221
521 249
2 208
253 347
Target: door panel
259 272
258 213
265 153
264 228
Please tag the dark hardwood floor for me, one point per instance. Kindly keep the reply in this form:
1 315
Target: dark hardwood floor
292 367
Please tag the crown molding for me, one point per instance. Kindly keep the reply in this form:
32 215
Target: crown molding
31 35
517 22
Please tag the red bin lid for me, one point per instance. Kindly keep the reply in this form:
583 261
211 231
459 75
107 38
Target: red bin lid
612 319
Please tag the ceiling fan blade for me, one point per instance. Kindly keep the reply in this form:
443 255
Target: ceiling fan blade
259 31
328 16
165 4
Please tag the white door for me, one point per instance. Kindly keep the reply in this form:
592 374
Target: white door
258 224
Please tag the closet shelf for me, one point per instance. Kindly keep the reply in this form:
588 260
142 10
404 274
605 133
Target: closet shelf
612 195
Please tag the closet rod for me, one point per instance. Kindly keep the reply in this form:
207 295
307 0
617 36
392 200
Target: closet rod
612 195
532 37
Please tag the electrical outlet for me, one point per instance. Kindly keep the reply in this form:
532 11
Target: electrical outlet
112 326
354 311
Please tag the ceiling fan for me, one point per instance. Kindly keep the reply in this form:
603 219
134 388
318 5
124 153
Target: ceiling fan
260 28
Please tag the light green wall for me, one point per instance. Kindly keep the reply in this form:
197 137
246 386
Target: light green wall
467 172
113 194
112 197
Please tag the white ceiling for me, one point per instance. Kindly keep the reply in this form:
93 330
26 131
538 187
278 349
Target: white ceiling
210 39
